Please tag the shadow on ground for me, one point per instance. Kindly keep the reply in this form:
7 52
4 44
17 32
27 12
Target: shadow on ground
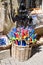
36 50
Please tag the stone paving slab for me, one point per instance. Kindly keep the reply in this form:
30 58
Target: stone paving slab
36 59
4 54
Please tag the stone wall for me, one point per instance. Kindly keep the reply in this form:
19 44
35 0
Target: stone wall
8 24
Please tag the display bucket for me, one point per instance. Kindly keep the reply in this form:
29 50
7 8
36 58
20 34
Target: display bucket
21 53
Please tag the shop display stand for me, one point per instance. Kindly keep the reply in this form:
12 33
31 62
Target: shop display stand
20 52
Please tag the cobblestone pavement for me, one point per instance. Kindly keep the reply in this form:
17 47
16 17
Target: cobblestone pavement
36 59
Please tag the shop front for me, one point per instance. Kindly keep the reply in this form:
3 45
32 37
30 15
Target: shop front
33 3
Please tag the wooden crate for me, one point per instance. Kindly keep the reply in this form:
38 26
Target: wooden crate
21 53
